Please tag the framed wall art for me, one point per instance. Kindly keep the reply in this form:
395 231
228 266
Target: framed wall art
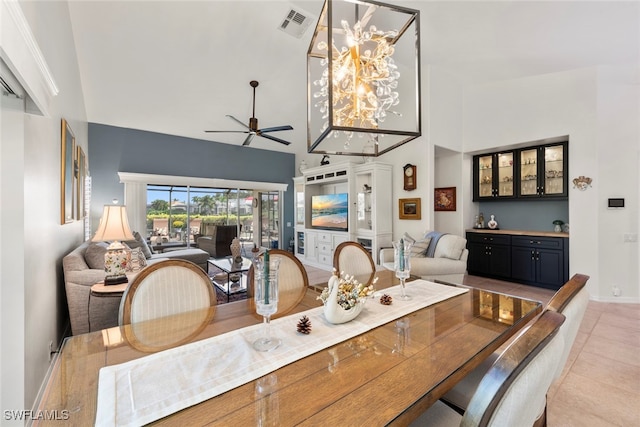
410 208
81 174
444 199
67 173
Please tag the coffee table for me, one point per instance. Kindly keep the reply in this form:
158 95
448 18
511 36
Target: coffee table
236 278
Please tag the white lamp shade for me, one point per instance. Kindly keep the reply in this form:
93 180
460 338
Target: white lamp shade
114 225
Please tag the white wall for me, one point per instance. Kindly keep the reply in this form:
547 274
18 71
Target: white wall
448 172
12 299
420 153
618 134
597 108
44 240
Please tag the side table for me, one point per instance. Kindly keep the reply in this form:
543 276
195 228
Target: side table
104 305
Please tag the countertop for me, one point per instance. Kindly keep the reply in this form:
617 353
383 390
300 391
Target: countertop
519 232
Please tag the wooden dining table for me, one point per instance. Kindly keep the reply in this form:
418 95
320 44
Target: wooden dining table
386 376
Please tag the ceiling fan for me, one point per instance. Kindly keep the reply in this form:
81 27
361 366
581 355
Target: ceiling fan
252 129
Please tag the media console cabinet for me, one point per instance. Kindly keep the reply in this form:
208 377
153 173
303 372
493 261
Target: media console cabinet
368 187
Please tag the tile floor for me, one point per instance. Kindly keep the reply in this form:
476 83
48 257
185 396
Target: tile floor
600 386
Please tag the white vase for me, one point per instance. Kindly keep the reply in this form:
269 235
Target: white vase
333 312
235 248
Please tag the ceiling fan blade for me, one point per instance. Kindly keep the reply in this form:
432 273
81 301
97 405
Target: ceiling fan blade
226 131
273 138
247 141
276 129
233 118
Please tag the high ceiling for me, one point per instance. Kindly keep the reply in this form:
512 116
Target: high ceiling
178 67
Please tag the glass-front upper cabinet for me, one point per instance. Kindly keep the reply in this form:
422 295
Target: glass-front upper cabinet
543 171
299 206
529 172
533 172
555 182
364 188
493 176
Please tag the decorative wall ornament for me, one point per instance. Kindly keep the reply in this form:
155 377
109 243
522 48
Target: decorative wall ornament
582 182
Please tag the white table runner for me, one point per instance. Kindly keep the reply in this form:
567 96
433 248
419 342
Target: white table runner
147 389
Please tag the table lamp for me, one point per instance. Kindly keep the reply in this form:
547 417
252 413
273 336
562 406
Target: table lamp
114 227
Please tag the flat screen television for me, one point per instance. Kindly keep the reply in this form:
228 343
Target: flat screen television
330 211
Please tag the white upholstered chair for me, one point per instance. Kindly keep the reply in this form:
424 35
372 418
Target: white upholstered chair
514 390
168 303
571 300
353 259
292 282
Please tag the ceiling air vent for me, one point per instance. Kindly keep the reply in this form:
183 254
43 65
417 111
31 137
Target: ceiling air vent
295 23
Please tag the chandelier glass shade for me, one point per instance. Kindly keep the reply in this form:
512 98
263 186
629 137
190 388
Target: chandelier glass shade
363 67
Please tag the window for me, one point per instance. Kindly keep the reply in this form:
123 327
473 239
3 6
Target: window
175 213
185 202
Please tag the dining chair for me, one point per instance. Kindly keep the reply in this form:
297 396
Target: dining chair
353 259
571 300
292 282
167 303
514 389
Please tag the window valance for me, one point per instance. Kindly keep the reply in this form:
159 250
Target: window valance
145 178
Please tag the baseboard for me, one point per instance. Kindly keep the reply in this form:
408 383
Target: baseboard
617 300
52 363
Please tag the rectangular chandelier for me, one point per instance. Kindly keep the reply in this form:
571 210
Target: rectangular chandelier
363 79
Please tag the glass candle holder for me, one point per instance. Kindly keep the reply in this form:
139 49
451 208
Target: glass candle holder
402 264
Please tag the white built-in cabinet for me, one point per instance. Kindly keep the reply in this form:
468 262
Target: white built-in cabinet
368 186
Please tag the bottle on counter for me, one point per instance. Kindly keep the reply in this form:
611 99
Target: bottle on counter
481 220
493 224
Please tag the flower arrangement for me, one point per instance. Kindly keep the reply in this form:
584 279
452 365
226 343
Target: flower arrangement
350 291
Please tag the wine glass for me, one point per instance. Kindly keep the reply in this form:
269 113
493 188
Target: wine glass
401 263
266 298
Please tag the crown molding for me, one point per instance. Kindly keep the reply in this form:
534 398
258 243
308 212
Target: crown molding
20 52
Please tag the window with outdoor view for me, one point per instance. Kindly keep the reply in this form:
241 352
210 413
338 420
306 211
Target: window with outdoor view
175 214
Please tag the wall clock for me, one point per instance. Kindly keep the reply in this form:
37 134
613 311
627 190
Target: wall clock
409 177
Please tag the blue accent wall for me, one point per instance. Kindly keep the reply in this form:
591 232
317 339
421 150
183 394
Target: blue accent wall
533 215
114 149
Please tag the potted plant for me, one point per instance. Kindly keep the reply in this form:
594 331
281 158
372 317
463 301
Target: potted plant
558 225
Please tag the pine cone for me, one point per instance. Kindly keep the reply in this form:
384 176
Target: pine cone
386 299
304 325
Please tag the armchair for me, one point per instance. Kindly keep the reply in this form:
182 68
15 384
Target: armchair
217 239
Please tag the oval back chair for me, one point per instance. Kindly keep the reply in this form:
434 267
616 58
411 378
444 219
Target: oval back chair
353 259
166 304
292 282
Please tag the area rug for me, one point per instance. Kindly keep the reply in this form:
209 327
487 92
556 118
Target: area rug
222 297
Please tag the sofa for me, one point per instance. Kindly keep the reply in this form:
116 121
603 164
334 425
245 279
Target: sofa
82 270
434 256
216 239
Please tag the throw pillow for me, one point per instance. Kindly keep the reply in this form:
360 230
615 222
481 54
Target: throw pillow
138 260
406 236
94 256
140 243
451 246
419 248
